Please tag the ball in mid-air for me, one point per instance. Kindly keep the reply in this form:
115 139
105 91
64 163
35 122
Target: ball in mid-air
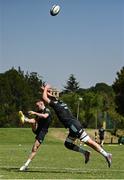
54 10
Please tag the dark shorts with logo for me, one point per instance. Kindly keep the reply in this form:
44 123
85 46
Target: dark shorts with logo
75 129
40 134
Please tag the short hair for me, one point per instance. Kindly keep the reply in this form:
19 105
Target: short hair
39 100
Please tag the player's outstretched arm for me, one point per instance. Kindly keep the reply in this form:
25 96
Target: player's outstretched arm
46 93
41 115
49 91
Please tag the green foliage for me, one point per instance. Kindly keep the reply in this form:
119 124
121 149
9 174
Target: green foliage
118 87
17 92
72 84
104 88
20 91
97 105
117 118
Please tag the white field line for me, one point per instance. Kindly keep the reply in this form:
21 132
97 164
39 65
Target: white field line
67 169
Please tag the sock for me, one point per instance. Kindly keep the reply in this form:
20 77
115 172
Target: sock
79 149
104 153
27 162
26 119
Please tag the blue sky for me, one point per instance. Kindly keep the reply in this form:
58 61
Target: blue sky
85 39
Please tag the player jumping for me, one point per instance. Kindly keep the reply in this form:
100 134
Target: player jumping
76 130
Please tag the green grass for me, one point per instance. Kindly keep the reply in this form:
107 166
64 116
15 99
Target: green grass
53 160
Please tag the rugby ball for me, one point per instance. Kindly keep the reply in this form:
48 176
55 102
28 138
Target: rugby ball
54 10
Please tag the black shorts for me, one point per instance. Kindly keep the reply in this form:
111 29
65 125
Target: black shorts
101 138
40 134
75 129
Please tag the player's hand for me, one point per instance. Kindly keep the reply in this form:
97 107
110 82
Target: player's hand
42 88
47 86
31 112
43 85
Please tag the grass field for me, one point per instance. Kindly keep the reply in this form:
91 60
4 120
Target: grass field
53 160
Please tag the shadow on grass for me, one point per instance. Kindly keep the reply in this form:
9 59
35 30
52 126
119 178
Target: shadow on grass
14 169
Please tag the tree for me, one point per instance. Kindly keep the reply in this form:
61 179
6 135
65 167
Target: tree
17 92
72 84
104 88
118 87
34 81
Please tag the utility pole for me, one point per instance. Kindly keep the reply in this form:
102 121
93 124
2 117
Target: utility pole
78 106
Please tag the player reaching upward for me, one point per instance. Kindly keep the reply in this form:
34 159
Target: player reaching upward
76 130
40 127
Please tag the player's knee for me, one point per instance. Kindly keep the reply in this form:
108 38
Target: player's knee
69 145
84 137
35 148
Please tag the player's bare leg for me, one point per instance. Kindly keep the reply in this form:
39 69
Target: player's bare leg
23 119
31 156
85 138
